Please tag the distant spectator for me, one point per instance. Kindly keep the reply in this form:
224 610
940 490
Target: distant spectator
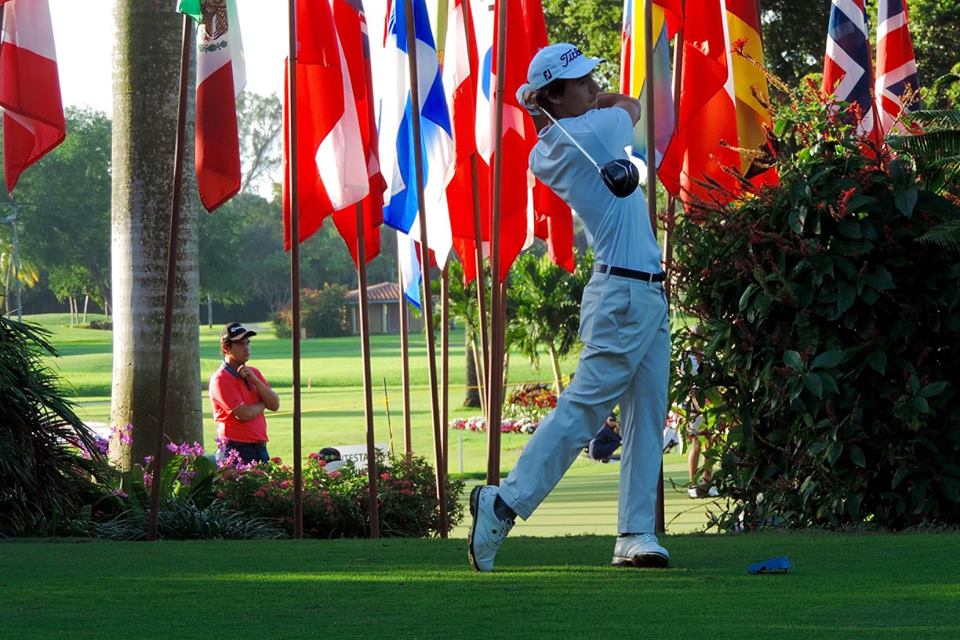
240 395
606 441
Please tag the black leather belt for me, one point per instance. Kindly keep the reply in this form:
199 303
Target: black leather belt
630 273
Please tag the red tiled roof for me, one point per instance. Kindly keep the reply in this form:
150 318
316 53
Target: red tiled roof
376 293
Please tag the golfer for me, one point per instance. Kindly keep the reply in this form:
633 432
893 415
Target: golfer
623 316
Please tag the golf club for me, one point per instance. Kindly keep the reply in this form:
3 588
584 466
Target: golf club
621 176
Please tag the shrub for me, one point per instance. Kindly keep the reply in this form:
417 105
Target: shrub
282 323
48 457
324 312
336 504
828 336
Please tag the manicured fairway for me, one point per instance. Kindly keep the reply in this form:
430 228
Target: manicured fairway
842 586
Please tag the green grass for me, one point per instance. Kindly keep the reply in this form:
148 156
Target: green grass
842 586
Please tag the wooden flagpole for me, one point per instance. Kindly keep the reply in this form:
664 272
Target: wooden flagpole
445 367
294 268
495 370
372 474
405 370
652 183
425 265
172 247
482 366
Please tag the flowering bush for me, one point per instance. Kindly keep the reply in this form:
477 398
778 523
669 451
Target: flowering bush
507 425
336 503
531 401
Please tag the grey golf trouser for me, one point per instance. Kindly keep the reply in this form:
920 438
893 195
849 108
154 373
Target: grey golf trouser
625 330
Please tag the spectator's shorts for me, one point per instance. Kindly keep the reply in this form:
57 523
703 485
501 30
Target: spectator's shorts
695 425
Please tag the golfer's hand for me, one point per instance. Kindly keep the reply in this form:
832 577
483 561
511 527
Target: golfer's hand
246 373
528 99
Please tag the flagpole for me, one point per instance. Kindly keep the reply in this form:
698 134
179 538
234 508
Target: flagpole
672 202
405 367
650 110
367 376
425 264
483 366
445 367
173 245
495 371
294 268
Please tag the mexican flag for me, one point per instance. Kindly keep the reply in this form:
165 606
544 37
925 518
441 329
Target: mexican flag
221 76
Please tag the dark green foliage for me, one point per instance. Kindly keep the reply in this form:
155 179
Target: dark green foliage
323 312
592 25
185 520
829 334
47 455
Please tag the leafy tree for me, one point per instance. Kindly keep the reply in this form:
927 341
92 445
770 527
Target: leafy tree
324 311
146 81
544 308
260 124
592 25
794 37
936 43
829 332
65 208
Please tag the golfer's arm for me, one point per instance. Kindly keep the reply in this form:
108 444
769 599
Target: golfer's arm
628 104
248 411
268 396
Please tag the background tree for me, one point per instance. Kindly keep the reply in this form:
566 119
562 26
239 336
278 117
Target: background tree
145 87
544 308
65 209
592 25
936 42
794 37
260 124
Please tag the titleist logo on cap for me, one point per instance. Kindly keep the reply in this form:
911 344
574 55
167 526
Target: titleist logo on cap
570 55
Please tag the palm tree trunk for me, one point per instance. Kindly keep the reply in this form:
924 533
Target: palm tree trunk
86 303
473 393
557 376
145 87
209 310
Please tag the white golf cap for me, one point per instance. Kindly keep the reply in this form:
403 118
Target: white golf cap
562 60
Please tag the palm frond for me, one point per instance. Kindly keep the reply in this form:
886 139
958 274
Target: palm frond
945 235
934 119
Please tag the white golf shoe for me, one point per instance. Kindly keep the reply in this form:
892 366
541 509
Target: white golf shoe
640 550
487 532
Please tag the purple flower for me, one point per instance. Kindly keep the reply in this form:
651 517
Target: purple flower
124 434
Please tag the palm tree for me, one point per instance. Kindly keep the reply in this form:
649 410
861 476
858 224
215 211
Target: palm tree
543 308
145 84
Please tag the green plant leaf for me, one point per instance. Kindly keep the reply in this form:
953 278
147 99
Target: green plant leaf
899 476
856 455
906 200
933 389
877 361
792 360
827 360
813 384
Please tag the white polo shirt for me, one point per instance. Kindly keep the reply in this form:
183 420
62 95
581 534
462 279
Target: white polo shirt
619 227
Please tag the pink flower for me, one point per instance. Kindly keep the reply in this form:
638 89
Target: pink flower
385 475
335 474
276 460
285 484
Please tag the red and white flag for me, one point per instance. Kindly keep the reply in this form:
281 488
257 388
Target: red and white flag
552 218
896 66
351 23
460 76
331 164
221 76
33 122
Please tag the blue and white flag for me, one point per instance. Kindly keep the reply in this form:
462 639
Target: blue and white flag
400 209
410 273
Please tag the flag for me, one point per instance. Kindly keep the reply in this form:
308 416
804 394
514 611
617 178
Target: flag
698 161
331 166
408 257
33 122
552 218
633 70
221 76
896 66
401 208
847 71
460 75
750 90
518 137
351 23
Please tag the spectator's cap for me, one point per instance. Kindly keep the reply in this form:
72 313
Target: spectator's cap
612 416
235 331
562 60
329 454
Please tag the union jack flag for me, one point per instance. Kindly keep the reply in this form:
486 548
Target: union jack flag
847 72
896 65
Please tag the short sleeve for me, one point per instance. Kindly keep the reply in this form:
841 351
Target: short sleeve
613 123
226 394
